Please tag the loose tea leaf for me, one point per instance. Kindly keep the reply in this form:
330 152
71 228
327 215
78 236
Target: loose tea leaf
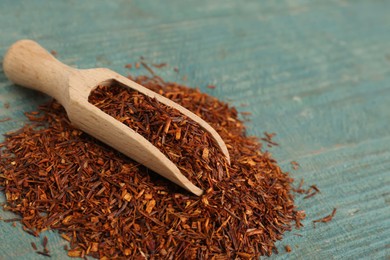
268 139
44 242
12 219
313 190
295 165
327 218
43 253
5 119
34 246
108 206
159 65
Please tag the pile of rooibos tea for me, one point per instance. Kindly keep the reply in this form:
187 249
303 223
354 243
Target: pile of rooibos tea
108 206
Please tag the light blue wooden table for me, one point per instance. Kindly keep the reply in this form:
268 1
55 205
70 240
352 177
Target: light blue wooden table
315 72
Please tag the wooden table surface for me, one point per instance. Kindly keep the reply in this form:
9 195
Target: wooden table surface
315 72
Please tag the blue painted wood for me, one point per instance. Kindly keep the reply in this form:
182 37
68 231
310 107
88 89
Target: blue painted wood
315 72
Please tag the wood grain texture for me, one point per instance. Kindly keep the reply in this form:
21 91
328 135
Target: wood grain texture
315 72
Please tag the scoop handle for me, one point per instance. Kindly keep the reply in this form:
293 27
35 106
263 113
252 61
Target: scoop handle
28 64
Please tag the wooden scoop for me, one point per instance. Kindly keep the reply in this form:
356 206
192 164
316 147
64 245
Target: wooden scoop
27 64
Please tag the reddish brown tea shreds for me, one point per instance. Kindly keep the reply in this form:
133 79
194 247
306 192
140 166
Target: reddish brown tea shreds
109 206
327 218
182 140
